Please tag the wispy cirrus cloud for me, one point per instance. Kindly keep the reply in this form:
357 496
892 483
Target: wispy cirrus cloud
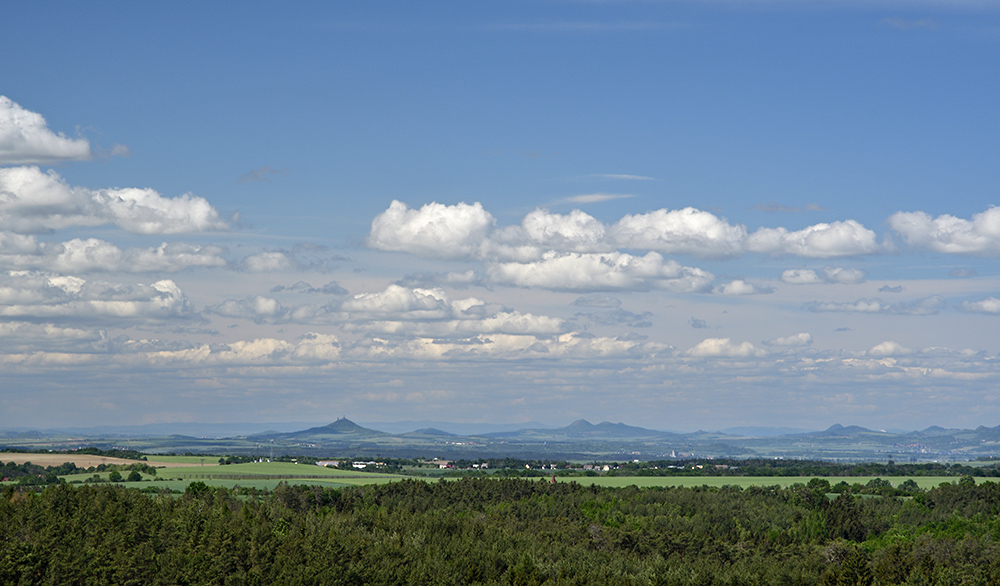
583 26
331 288
772 207
607 310
621 176
261 175
906 24
924 306
594 198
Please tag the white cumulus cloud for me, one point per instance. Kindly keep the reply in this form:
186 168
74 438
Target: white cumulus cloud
597 272
888 348
945 233
801 277
91 254
740 287
25 139
843 275
724 347
510 323
403 311
255 308
266 262
826 275
401 302
847 238
686 231
469 231
35 201
435 230
574 232
38 296
989 305
801 339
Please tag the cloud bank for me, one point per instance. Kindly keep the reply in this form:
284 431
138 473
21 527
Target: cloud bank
469 231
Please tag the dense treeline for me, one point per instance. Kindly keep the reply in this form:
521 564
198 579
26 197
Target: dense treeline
34 474
512 463
809 468
89 451
717 467
499 531
28 473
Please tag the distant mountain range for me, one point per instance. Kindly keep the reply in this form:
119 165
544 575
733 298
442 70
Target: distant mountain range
339 429
583 429
583 437
838 430
408 426
578 440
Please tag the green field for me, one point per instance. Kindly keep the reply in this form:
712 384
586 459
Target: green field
207 460
260 483
263 475
284 468
269 475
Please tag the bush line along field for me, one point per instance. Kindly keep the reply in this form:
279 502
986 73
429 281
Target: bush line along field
499 531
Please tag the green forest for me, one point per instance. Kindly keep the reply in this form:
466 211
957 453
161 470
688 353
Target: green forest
499 531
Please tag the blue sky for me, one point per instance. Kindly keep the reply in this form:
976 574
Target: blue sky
676 214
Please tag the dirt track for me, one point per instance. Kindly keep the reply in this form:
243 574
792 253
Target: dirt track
82 460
